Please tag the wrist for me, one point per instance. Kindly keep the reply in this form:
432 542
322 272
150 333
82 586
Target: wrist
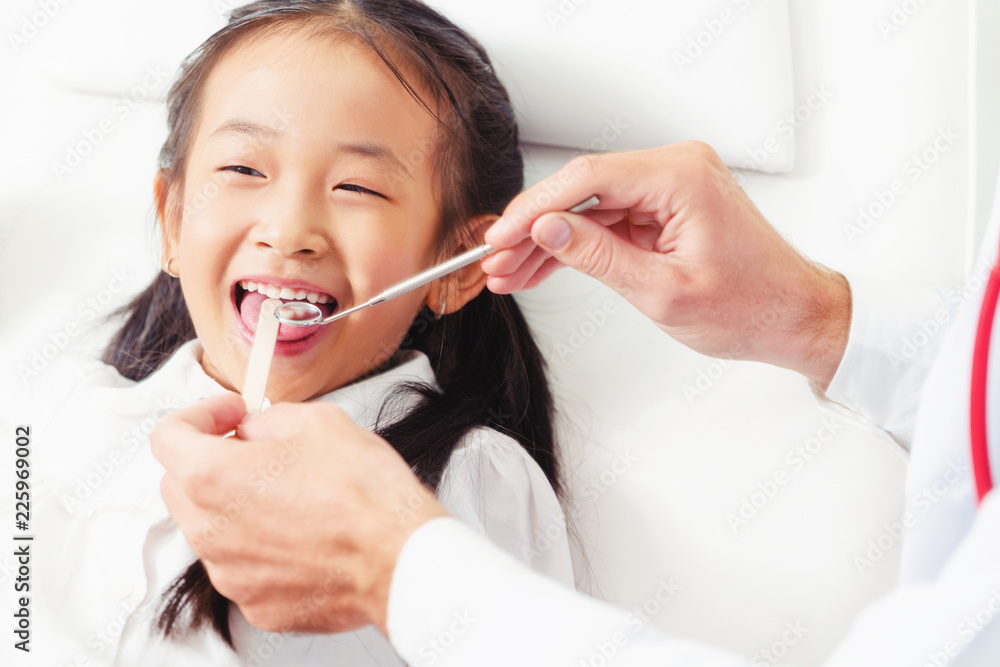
388 551
826 328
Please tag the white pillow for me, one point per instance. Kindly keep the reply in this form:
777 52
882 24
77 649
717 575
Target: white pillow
583 74
631 74
123 48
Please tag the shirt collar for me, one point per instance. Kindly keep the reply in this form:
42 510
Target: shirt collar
182 381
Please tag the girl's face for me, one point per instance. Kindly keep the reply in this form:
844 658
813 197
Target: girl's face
310 173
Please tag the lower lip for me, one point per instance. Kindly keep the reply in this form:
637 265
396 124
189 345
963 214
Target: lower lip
281 348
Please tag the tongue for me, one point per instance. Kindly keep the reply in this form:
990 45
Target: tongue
250 313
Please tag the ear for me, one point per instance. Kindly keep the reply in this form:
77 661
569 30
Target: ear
451 293
167 214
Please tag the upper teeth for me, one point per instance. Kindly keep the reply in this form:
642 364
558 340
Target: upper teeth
273 292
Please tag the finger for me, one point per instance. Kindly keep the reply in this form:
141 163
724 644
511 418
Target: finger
550 266
285 420
518 280
646 182
523 279
271 424
500 284
589 247
615 178
504 241
191 519
559 192
505 262
182 433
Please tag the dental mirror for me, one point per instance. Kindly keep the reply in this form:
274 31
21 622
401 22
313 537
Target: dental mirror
305 314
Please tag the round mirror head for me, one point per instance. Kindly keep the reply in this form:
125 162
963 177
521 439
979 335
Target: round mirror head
299 314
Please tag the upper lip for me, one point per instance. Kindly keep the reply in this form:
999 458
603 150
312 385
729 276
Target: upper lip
289 283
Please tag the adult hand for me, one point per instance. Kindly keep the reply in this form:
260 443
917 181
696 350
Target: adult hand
677 236
301 520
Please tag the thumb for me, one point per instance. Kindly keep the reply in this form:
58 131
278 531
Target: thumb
588 246
214 416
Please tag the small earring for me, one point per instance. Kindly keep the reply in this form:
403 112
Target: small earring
166 269
444 304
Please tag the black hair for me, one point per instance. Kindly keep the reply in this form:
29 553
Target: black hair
489 370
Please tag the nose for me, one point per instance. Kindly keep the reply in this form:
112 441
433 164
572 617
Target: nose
293 227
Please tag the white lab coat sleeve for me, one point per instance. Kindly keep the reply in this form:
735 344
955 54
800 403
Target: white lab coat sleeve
457 600
894 338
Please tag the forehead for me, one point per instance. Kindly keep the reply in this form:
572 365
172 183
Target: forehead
314 89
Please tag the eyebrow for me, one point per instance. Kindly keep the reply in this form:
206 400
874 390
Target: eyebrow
255 131
375 151
365 149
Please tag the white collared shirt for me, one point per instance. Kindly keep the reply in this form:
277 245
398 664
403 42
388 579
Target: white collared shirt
106 547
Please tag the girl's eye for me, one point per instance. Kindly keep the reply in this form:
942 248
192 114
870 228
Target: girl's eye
240 169
350 187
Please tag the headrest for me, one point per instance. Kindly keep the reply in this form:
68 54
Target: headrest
590 75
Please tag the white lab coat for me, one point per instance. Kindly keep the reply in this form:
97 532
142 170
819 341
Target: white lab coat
105 546
905 375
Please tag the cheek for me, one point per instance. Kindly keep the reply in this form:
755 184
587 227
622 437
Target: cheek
209 230
377 333
208 240
388 250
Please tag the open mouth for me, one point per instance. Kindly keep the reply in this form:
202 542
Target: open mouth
248 295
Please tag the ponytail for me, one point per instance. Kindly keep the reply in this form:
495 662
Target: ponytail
157 322
491 373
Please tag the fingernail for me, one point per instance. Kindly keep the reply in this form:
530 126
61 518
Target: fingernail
494 230
555 233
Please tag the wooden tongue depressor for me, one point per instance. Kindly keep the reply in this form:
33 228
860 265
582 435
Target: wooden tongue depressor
264 340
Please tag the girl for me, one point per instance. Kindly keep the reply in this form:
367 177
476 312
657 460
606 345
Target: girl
319 150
